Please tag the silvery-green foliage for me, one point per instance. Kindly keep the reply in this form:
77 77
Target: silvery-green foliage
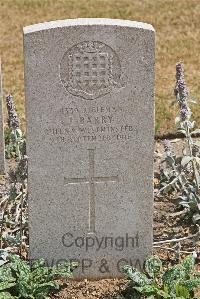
15 140
139 278
153 266
13 120
6 295
13 220
180 175
15 143
188 265
177 282
3 256
19 279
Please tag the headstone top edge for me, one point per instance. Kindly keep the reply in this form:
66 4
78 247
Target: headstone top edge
86 22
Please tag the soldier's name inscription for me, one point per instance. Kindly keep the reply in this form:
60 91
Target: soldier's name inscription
96 123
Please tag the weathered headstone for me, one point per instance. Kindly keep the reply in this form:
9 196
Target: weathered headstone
90 126
2 147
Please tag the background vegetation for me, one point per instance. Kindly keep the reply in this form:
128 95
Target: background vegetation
177 31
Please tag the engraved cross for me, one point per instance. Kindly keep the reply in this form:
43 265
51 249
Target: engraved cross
91 180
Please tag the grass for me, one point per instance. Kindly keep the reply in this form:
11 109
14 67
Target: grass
176 23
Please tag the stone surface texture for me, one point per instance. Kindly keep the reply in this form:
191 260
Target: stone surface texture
2 142
89 87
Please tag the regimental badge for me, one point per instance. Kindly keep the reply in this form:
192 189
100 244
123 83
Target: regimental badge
90 69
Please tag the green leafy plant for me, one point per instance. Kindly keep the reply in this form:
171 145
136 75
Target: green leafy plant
181 174
15 143
178 282
14 138
19 279
13 216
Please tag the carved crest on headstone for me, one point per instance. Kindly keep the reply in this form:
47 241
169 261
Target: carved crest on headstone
90 69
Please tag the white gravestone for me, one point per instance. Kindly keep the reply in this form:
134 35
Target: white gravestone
90 128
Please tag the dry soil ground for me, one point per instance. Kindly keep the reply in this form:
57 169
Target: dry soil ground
177 38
